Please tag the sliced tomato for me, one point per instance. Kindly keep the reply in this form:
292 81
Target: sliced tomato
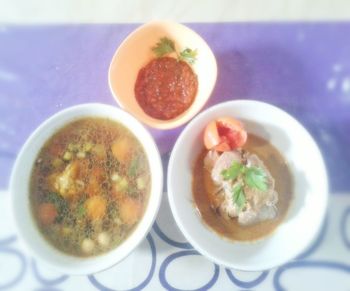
224 134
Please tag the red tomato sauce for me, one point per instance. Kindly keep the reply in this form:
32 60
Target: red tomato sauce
165 88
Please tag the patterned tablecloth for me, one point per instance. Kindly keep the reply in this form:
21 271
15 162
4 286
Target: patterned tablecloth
302 68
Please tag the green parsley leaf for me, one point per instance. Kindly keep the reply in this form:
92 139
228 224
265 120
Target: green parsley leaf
188 55
232 172
164 47
256 178
238 196
60 203
81 210
133 168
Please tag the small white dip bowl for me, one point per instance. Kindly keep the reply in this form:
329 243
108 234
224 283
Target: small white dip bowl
20 185
307 209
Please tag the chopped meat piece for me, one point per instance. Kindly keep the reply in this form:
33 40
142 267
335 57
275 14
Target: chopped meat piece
260 205
224 162
65 183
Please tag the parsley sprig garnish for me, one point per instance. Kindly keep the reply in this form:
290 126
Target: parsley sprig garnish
256 178
166 46
232 172
238 195
163 47
252 177
188 55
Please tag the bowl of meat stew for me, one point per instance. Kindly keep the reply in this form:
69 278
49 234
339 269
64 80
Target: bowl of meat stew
247 185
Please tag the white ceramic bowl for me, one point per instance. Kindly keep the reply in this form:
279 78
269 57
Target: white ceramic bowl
305 161
20 180
135 52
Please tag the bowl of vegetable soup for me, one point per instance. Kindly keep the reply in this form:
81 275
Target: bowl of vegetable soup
86 188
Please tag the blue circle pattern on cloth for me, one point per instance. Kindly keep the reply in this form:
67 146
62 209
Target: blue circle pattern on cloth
22 269
240 283
169 259
5 247
314 246
142 285
306 264
301 263
44 281
8 240
164 237
247 284
345 221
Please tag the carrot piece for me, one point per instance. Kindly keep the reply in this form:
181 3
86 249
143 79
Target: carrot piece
130 210
95 179
96 207
47 213
121 149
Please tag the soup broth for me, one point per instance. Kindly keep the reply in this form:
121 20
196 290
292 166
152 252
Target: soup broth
89 186
230 228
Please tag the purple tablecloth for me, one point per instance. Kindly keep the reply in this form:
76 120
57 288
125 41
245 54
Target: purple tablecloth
302 68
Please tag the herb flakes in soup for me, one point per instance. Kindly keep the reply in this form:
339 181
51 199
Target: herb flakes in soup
89 186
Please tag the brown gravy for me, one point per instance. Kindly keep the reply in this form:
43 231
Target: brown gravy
230 229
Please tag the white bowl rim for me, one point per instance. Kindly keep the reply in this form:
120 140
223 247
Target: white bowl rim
156 190
182 227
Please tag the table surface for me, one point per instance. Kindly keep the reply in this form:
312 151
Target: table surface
136 11
304 68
